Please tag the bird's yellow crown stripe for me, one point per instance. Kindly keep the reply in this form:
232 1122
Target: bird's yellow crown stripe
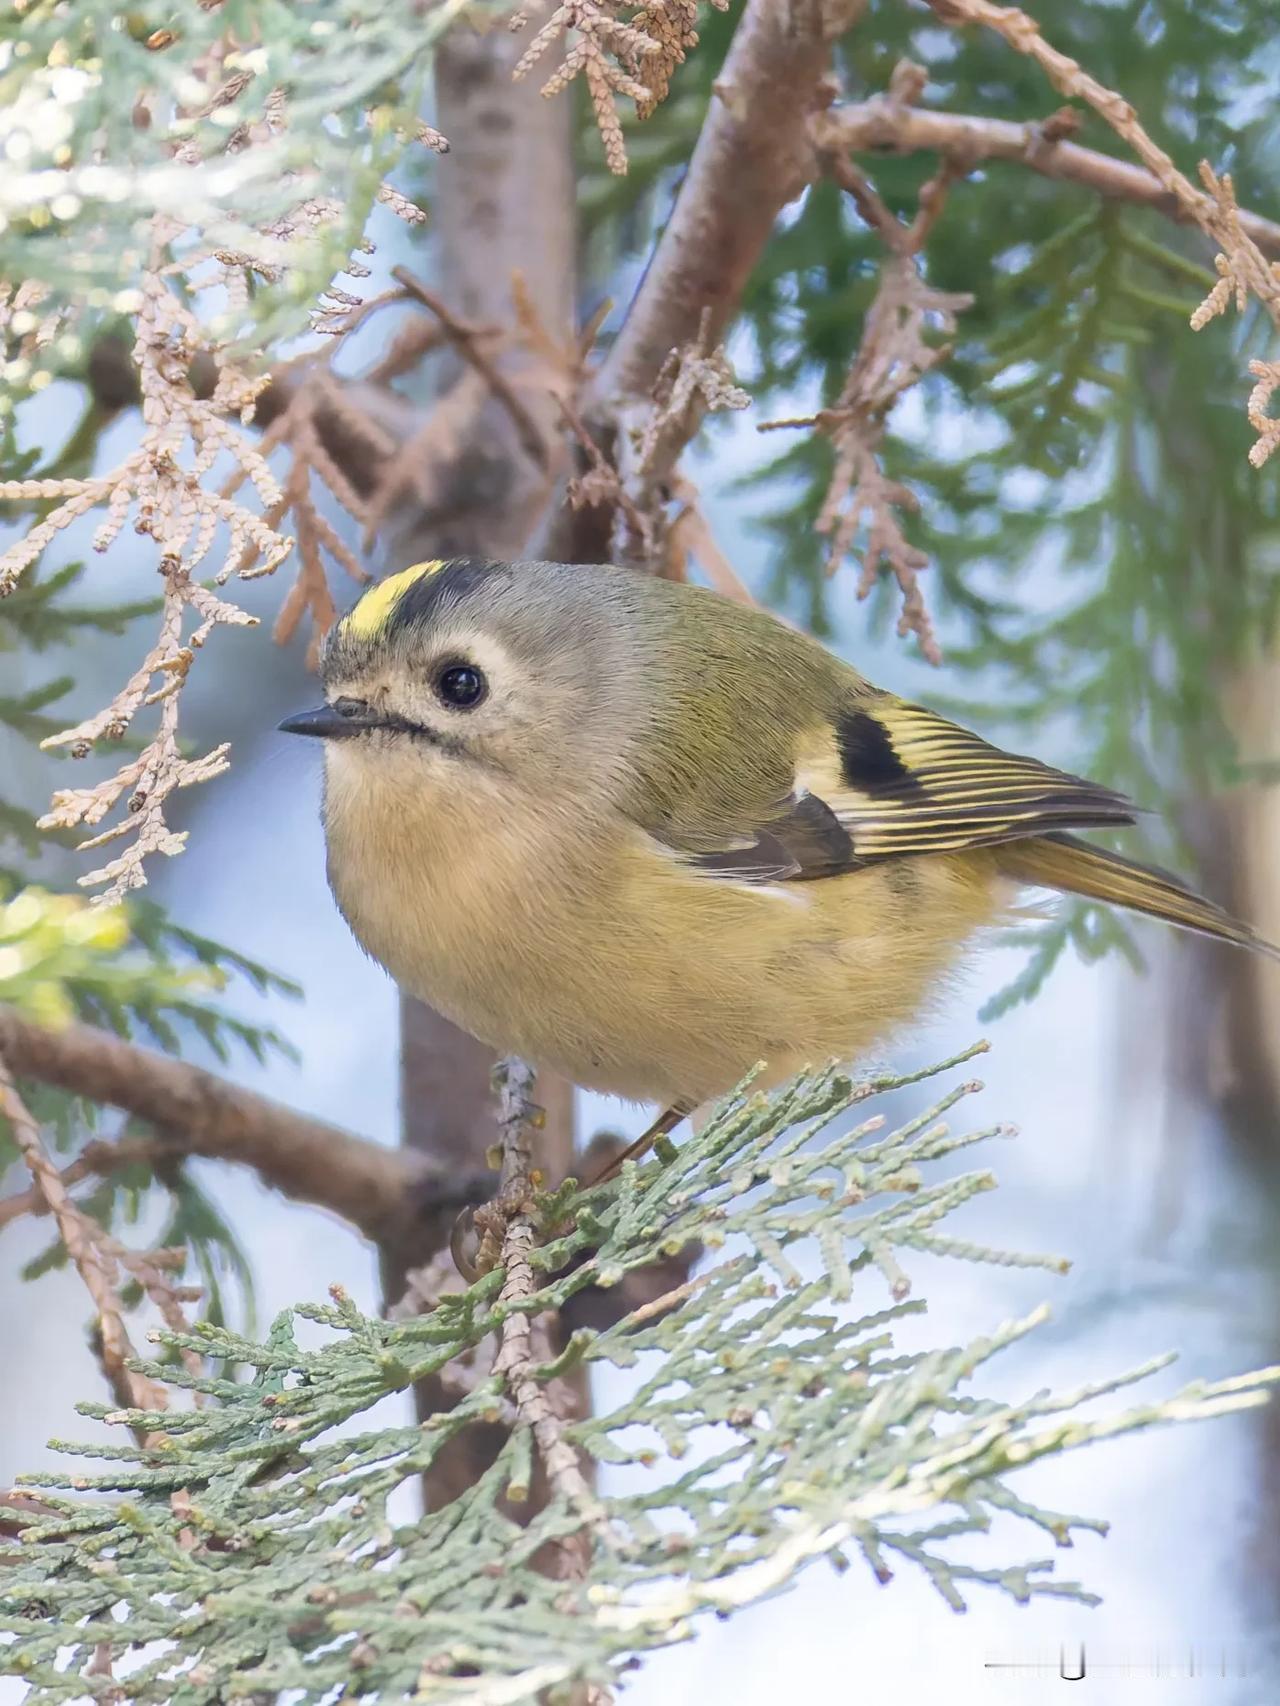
377 606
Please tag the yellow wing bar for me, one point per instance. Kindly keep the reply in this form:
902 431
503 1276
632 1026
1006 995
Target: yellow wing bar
901 779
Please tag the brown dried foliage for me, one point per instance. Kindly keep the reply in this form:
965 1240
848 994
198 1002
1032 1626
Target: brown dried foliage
693 381
296 428
416 467
27 325
171 505
163 484
894 354
621 49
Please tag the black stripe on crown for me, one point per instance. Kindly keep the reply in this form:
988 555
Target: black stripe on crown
421 603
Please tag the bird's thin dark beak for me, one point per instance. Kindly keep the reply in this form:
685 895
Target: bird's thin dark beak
323 721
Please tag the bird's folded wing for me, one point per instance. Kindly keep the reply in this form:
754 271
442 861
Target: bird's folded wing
888 779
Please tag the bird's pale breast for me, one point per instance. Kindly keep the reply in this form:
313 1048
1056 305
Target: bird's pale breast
605 958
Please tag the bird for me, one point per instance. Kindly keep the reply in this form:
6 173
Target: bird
653 839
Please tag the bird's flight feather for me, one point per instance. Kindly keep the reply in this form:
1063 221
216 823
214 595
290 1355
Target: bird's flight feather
887 779
890 780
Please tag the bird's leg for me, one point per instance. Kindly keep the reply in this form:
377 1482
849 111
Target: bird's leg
666 1121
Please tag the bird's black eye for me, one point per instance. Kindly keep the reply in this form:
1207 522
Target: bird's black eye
461 685
350 708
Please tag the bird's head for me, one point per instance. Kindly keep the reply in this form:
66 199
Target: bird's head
460 666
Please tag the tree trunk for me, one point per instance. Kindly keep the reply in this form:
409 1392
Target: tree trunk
1227 1023
1250 823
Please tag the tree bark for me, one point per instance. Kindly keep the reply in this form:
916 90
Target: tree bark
384 1193
893 127
504 204
1230 1025
753 156
1239 848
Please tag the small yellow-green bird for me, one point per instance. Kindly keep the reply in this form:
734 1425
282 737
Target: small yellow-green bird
648 838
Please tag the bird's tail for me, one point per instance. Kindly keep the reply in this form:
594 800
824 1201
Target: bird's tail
1063 862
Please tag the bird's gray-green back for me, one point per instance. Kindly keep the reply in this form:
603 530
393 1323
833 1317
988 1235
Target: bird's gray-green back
717 699
755 753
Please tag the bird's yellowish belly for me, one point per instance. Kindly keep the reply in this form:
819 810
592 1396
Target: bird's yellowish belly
648 980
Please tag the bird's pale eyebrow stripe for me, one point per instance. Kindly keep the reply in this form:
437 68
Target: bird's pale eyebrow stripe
375 610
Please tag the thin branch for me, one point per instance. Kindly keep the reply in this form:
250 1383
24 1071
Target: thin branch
693 380
601 482
93 1161
84 1245
690 535
1243 269
408 345
894 354
466 340
382 1192
887 126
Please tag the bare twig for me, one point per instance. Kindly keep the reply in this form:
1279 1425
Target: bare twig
466 340
690 535
659 522
564 358
893 355
87 1248
693 380
383 1192
601 483
93 1161
406 348
891 126
157 1272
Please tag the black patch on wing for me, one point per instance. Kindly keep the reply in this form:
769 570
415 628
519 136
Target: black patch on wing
867 758
920 784
805 841
900 782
